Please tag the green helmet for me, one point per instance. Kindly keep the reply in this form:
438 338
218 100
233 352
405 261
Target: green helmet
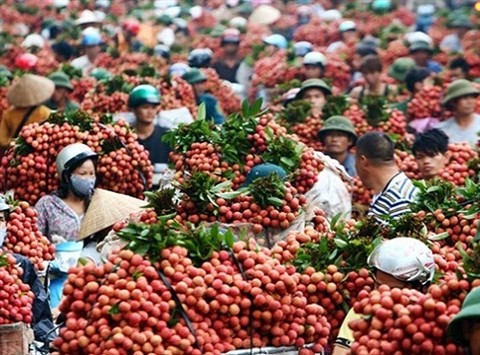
338 123
100 74
459 88
143 94
61 80
264 170
398 70
314 83
470 311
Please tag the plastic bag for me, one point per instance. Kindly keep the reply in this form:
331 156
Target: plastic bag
330 192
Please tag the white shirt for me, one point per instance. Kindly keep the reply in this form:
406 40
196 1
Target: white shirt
82 63
457 134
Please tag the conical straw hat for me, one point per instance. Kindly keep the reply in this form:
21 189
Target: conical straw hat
264 15
105 209
30 90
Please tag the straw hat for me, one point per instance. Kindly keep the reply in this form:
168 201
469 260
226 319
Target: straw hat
30 90
105 209
264 15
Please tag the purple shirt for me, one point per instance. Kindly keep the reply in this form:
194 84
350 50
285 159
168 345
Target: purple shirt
55 217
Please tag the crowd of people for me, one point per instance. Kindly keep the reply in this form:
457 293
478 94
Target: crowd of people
73 35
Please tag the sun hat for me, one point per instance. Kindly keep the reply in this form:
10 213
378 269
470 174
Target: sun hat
470 310
420 46
338 123
459 88
60 79
194 76
264 15
331 15
313 83
86 16
30 90
398 70
105 209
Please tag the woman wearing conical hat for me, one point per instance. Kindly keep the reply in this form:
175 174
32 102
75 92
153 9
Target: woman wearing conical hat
26 98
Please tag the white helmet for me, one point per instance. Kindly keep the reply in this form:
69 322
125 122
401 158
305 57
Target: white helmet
315 58
331 15
58 4
33 40
347 25
406 259
238 22
86 16
70 156
418 37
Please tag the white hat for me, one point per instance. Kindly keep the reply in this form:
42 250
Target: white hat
238 22
331 15
87 16
166 36
418 36
33 40
163 4
195 11
60 3
264 15
100 15
426 10
102 3
347 25
315 58
173 11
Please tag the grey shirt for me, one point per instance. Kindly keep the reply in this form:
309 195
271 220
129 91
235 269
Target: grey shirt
457 134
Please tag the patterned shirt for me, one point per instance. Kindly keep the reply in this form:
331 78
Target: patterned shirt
55 217
395 198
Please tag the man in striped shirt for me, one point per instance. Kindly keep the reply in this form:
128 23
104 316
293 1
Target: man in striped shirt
378 171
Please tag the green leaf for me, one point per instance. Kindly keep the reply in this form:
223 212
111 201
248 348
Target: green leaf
275 201
201 112
229 239
439 236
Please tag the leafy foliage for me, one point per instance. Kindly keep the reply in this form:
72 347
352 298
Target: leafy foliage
269 190
283 151
375 109
434 194
296 112
335 106
162 201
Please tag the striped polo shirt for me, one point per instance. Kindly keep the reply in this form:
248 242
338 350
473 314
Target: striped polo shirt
395 197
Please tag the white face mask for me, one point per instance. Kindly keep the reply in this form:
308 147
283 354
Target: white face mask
3 234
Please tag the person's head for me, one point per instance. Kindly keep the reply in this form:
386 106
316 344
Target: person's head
348 31
371 69
421 52
76 165
459 69
337 135
461 97
464 328
63 51
200 58
314 91
230 41
402 262
374 153
91 42
302 48
461 25
431 152
314 64
62 86
418 78
197 79
143 101
361 51
275 43
400 67
131 27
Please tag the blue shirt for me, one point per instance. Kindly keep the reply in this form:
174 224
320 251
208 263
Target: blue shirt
349 164
434 66
211 107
